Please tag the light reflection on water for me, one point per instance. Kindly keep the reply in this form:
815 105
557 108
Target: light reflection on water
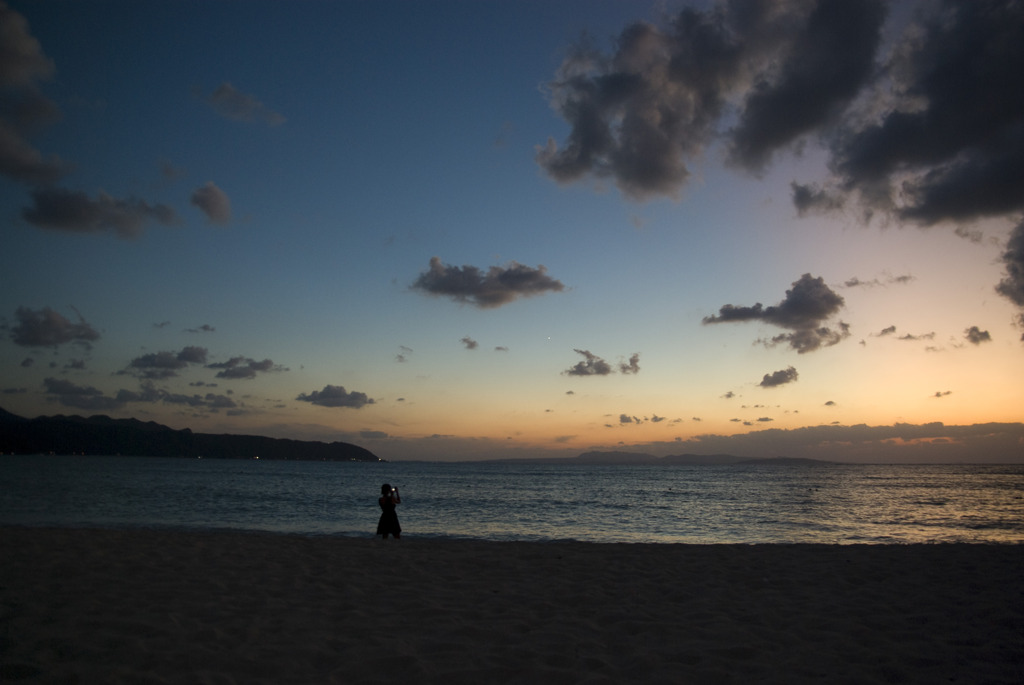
693 504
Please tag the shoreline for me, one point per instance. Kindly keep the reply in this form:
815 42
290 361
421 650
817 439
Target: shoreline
105 605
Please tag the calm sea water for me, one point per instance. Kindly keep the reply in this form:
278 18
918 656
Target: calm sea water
692 504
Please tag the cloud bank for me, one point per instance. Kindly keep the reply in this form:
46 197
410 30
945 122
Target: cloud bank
642 113
928 131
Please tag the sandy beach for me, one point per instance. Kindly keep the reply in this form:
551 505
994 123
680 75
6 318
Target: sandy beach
101 606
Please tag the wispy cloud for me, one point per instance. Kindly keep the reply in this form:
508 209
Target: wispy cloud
232 103
632 366
856 282
88 398
244 368
213 202
163 365
48 328
497 287
74 211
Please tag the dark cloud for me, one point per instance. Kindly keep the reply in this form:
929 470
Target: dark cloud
161 365
205 328
809 339
805 308
813 199
47 328
22 107
944 139
1012 287
592 365
928 131
243 367
888 330
22 162
497 287
977 336
777 378
231 103
641 113
89 398
942 393
632 366
818 72
67 210
469 343
22 61
910 337
213 202
336 396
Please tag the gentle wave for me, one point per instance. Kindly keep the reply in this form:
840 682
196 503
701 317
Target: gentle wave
832 504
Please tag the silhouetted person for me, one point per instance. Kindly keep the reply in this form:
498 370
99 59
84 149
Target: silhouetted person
388 524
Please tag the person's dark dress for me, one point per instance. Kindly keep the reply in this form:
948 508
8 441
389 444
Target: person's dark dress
388 524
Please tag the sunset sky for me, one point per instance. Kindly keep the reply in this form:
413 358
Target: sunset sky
474 230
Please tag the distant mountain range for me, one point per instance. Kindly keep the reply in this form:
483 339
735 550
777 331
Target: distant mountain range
130 437
642 459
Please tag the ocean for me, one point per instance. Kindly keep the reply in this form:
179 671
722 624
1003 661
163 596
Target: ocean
746 504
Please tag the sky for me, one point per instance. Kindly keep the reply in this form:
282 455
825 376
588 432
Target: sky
474 230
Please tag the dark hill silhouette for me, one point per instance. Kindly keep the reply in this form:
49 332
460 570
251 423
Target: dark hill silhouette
131 437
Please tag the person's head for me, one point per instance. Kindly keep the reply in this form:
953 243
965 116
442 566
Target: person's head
385 489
